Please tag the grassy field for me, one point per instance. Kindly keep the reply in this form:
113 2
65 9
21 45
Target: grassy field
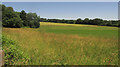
67 44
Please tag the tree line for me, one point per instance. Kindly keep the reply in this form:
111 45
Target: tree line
13 19
96 21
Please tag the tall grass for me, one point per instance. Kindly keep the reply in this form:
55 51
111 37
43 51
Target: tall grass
50 48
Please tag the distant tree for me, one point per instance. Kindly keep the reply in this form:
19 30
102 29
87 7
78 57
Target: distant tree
86 21
70 21
43 20
79 21
109 23
97 21
118 23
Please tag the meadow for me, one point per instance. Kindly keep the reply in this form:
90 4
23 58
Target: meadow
67 44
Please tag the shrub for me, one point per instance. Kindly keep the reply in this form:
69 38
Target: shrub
12 53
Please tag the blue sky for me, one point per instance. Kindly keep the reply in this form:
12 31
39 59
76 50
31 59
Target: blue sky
69 10
60 0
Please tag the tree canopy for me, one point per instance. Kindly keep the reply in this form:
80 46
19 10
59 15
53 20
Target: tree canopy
13 19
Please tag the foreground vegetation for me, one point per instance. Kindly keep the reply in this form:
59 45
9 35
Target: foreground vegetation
64 44
13 56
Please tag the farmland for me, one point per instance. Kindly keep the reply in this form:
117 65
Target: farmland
67 44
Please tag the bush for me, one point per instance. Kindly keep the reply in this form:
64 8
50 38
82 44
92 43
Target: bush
12 53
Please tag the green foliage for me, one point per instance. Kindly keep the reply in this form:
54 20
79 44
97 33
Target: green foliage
78 21
13 19
86 21
96 21
12 53
23 17
33 20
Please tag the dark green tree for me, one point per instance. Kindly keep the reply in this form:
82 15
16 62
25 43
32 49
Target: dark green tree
97 21
33 20
23 17
79 21
10 18
86 21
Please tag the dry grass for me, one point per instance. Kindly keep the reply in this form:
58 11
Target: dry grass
50 49
64 24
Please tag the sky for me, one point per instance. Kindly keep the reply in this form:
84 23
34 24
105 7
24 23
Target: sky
69 10
60 0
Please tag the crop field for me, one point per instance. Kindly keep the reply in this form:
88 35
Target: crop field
67 44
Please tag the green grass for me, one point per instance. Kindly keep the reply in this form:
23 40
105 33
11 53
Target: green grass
62 44
105 32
